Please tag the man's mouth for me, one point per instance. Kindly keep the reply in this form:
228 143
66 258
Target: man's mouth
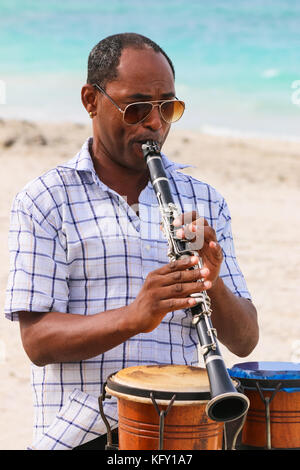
139 143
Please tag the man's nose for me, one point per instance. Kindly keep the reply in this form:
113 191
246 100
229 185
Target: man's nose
154 121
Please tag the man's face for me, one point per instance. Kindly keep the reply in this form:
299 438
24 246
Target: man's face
143 75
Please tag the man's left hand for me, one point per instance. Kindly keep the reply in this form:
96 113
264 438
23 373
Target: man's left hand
202 239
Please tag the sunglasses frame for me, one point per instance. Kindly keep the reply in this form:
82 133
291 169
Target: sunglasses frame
158 103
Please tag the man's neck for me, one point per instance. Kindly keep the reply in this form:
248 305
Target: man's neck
126 182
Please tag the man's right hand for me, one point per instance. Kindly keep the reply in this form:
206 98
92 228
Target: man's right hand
166 289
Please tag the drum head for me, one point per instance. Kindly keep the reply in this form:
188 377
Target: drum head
163 381
268 374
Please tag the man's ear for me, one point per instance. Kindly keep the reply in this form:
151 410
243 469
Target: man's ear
89 99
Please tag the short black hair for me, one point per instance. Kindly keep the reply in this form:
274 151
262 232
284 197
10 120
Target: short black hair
104 58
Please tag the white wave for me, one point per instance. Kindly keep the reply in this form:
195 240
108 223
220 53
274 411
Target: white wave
236 133
270 73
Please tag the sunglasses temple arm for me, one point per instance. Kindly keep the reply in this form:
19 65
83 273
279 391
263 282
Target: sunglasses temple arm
107 96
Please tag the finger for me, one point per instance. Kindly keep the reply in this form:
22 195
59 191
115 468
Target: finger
189 275
169 305
182 289
199 222
202 238
209 234
188 231
185 218
178 265
216 250
193 231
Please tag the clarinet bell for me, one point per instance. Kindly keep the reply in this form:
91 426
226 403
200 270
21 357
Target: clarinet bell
227 406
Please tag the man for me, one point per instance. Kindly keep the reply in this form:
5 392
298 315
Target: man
90 280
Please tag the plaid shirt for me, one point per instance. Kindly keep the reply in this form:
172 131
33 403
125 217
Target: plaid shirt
77 247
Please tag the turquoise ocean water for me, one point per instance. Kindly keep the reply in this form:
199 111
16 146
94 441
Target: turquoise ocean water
237 61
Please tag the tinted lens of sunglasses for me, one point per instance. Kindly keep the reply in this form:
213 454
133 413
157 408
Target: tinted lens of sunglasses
172 111
136 112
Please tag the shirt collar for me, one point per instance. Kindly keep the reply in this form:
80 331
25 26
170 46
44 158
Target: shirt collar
83 161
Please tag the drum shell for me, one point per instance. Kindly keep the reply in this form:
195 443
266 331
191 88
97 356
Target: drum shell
284 419
186 427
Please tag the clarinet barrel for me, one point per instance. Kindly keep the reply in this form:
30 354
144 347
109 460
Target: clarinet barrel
226 402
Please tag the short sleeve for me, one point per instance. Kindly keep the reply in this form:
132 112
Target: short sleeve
230 270
38 279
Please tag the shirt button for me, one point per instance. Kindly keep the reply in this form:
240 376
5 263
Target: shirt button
148 247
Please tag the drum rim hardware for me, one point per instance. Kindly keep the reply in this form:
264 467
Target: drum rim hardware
109 445
162 414
269 384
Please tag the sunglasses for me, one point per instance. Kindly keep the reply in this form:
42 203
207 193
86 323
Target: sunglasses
134 113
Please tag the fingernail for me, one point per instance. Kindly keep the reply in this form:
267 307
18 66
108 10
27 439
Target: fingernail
207 284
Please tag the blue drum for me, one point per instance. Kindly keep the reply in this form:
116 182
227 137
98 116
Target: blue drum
273 419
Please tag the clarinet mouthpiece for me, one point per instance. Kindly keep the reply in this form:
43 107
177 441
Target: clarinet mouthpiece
150 147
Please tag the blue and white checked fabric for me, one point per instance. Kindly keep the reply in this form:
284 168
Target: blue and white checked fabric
76 246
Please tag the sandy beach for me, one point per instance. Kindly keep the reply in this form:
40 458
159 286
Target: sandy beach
260 180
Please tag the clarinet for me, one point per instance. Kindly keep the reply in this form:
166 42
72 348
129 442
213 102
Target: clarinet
226 403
